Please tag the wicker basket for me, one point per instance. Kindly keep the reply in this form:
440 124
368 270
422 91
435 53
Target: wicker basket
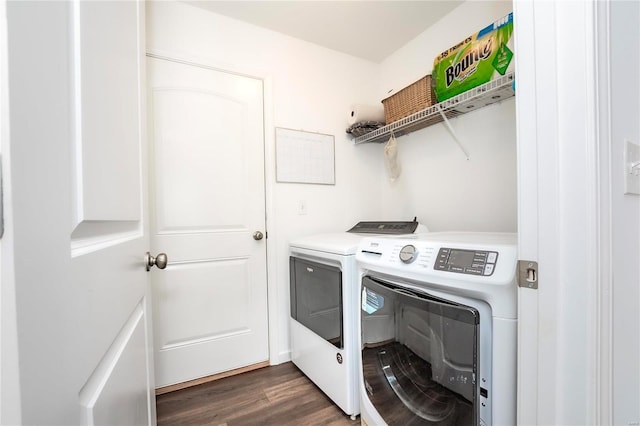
409 100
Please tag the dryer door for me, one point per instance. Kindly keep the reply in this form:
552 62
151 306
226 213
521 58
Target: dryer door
316 298
419 356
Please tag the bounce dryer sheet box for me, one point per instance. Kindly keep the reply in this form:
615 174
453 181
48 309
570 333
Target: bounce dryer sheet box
476 60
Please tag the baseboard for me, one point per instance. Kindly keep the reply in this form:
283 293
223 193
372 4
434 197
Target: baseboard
207 379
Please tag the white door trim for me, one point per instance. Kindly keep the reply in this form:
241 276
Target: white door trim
10 403
604 324
562 223
269 163
527 158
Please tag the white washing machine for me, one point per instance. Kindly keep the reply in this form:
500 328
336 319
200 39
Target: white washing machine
438 329
324 291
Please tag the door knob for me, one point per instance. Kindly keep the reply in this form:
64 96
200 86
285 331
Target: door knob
257 235
160 261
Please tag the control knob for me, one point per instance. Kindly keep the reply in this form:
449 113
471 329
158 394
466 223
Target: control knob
408 254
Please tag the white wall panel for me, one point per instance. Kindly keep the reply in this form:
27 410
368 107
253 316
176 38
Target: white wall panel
119 379
106 123
189 288
194 191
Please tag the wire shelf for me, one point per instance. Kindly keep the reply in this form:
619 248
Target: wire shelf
486 94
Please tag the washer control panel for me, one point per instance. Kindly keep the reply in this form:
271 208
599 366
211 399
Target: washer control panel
472 262
457 258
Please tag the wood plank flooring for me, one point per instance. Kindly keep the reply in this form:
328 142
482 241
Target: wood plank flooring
277 395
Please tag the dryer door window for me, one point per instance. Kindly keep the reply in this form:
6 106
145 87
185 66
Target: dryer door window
419 356
316 298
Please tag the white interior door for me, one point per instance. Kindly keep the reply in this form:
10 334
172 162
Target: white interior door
77 156
207 201
564 212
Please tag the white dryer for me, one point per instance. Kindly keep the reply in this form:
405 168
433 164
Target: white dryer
438 327
324 308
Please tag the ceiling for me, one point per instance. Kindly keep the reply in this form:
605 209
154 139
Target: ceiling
370 30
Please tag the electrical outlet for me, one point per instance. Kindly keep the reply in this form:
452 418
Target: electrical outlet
302 207
631 168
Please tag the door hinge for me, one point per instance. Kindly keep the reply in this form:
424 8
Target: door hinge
528 274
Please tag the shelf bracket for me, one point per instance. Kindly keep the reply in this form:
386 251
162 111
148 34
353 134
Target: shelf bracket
453 133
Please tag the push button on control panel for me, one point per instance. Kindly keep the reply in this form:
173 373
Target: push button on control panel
488 269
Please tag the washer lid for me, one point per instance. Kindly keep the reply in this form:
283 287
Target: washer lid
342 243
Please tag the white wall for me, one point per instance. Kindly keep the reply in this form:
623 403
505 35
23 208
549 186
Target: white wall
438 185
311 88
625 213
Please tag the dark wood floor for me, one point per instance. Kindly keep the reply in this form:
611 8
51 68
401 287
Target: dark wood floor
278 395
